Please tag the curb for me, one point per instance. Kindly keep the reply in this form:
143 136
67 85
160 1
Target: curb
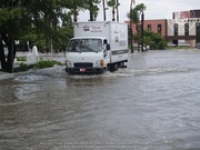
4 75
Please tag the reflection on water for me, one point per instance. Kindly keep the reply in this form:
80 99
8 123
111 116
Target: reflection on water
151 105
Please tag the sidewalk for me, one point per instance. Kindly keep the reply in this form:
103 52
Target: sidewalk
4 75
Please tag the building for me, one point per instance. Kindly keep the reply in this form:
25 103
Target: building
182 30
157 26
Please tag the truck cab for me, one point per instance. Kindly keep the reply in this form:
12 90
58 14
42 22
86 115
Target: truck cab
87 54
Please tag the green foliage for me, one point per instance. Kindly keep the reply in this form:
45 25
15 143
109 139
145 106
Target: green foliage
38 21
39 65
46 64
133 16
140 7
22 67
179 47
21 58
65 34
162 44
155 40
111 3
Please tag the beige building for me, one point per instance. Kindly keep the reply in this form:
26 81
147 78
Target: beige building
184 28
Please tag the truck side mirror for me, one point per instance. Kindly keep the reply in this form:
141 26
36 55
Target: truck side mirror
108 46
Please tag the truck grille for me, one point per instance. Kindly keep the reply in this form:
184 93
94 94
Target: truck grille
83 65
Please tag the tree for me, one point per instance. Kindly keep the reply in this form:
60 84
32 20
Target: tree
25 20
141 7
10 16
154 40
104 10
112 3
134 16
91 5
38 21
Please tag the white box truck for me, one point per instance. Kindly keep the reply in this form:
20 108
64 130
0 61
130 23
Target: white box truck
97 47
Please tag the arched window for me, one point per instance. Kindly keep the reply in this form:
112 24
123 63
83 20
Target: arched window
176 29
186 29
198 32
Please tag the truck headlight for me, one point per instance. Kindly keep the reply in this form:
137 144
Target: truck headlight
100 63
68 63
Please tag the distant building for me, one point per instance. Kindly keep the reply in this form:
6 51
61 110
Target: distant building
182 30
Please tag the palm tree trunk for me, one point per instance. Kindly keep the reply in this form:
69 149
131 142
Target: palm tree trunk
91 14
113 14
104 10
75 15
142 32
11 55
2 57
117 10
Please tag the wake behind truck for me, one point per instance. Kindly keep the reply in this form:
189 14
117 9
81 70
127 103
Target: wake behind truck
97 47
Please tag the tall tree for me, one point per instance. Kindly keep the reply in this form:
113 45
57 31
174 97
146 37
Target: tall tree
104 10
23 20
10 15
134 19
92 7
37 21
141 8
112 3
134 16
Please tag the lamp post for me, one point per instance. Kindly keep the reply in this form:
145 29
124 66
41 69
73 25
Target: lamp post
131 31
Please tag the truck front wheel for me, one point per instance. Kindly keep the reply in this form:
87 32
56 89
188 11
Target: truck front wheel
113 67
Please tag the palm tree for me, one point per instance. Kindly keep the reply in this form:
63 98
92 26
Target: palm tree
104 10
111 3
141 8
93 8
134 18
117 7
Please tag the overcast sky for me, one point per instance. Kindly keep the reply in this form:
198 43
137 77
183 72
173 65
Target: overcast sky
156 9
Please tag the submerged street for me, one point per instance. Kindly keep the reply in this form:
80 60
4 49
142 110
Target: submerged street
154 104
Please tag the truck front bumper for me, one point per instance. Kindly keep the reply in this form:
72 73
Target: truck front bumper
85 70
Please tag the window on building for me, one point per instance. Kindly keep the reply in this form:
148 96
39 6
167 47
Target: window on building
159 28
176 29
139 27
198 32
187 29
149 27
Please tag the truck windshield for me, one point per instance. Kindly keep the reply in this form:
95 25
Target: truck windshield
85 45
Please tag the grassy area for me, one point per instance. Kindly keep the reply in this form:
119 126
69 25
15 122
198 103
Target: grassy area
180 47
21 58
39 65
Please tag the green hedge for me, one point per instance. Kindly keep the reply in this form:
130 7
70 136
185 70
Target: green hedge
39 65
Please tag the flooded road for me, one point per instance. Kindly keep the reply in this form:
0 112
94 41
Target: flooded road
154 104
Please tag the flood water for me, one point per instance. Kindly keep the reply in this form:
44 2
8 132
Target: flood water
154 104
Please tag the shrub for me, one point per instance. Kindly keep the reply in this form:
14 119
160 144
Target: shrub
21 58
162 44
46 64
39 65
22 67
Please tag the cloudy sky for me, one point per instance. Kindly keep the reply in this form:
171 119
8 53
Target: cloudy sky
156 9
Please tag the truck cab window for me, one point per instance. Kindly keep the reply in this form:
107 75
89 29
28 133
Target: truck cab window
85 45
